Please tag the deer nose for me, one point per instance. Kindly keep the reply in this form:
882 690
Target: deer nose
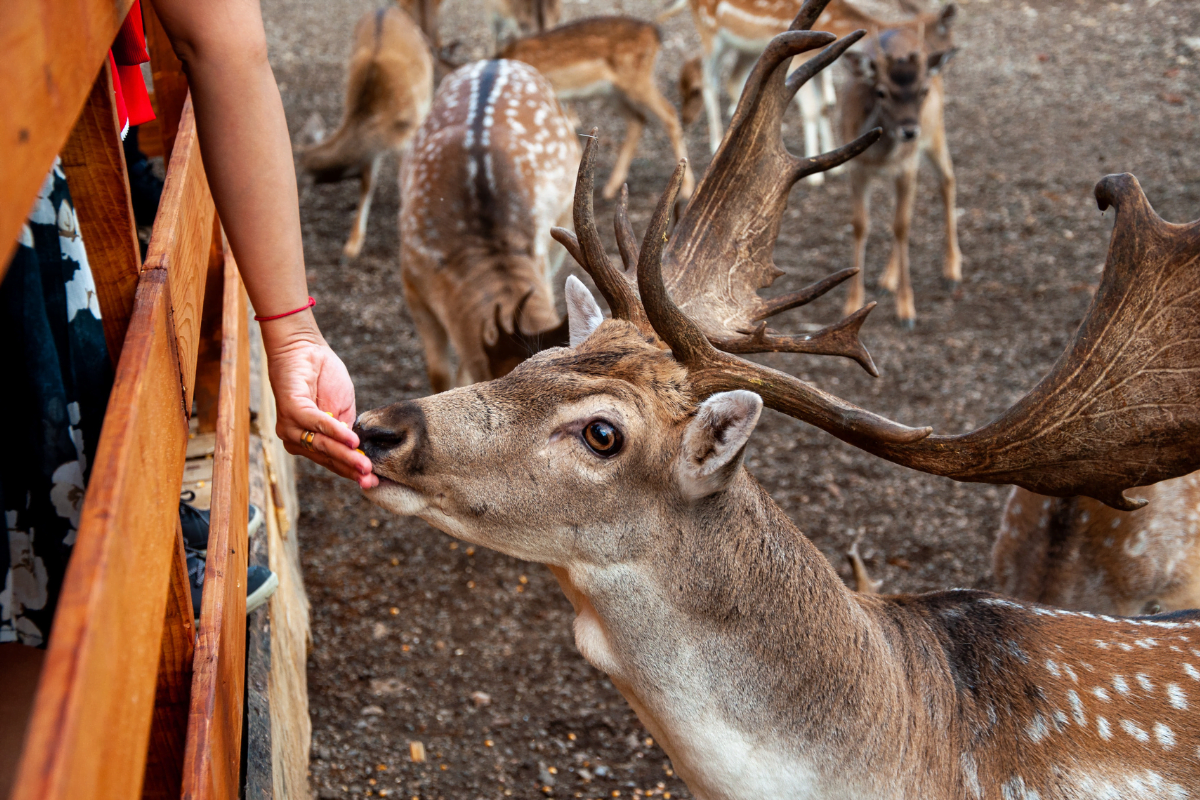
909 132
392 435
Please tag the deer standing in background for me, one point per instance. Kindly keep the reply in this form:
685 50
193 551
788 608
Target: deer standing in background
489 173
1080 554
618 462
426 14
388 94
513 19
607 57
896 85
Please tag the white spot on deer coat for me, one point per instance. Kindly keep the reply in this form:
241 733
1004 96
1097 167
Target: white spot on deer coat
1177 697
1130 727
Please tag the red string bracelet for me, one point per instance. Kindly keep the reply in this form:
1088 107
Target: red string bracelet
311 302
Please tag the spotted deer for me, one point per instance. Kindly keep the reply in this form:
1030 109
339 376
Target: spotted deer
489 173
897 85
388 94
609 57
743 28
1080 554
618 462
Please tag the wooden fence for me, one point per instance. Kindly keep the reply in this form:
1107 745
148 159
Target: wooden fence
133 700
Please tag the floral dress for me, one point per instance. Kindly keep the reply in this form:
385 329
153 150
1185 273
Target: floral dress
56 379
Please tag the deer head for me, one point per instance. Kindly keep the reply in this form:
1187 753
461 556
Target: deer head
891 77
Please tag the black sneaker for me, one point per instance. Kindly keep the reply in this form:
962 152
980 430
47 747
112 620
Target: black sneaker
195 567
261 583
194 522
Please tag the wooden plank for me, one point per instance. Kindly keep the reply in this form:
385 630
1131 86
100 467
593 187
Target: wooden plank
183 235
215 722
208 357
94 163
52 52
168 731
95 699
170 87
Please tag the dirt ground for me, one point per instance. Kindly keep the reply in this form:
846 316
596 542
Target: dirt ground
418 637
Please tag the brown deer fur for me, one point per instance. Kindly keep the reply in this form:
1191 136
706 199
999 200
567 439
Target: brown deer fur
896 85
387 98
607 56
489 173
513 19
1080 554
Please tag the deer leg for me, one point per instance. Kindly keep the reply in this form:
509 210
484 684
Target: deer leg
354 244
712 77
939 156
434 339
863 582
906 193
859 199
828 104
661 107
633 131
810 111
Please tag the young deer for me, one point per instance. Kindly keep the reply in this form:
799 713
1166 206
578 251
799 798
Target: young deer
612 57
489 173
896 85
1080 554
513 19
618 463
744 27
387 99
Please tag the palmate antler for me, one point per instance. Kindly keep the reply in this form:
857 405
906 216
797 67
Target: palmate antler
1120 408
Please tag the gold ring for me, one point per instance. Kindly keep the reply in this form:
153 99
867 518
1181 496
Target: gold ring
306 439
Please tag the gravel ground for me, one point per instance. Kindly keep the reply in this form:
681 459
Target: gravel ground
418 637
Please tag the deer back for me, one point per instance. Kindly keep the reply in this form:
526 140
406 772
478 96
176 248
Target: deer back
489 173
388 94
580 55
1079 553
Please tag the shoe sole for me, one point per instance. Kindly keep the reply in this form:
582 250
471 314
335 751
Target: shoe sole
263 593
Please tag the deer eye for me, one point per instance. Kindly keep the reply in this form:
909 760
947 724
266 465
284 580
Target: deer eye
602 438
1153 607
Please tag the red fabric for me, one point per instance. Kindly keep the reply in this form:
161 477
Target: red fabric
129 47
128 51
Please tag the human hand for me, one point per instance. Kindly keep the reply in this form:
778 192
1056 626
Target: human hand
313 392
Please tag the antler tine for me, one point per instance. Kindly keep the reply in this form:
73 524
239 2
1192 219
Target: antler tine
786 302
807 16
617 291
711 371
806 71
626 241
839 339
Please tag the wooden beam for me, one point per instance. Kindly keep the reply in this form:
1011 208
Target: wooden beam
172 697
91 720
183 234
210 770
53 50
170 86
208 357
94 163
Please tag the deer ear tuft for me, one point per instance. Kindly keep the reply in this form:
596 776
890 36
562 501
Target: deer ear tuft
583 313
715 440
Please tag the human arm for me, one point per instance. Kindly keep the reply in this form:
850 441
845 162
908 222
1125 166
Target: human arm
247 158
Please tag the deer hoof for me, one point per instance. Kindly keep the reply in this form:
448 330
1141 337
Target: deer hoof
907 324
950 284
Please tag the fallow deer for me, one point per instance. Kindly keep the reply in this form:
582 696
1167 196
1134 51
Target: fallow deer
387 98
744 27
1080 554
618 462
426 13
489 173
607 56
897 85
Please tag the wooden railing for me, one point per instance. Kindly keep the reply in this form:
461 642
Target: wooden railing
133 701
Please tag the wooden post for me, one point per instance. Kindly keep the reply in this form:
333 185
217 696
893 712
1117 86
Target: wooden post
94 163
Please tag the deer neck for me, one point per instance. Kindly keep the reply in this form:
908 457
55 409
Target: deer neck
742 606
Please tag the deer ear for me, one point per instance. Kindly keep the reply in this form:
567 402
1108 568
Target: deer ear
583 313
939 60
860 65
715 440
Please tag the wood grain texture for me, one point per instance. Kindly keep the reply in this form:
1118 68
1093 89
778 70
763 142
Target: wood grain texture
183 235
215 721
94 163
53 50
170 85
95 701
164 761
208 360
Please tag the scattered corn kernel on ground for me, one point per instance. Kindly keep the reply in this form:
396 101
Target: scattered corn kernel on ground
442 672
